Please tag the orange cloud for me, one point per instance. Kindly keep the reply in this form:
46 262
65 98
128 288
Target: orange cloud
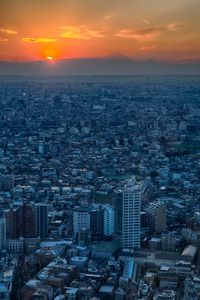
108 17
146 48
113 14
38 40
8 31
80 32
146 21
140 35
175 26
3 40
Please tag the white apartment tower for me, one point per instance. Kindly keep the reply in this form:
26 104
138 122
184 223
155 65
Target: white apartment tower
108 221
131 214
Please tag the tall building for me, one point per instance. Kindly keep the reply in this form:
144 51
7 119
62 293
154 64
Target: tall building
108 221
11 224
41 220
131 214
96 223
157 216
26 221
146 193
2 233
81 220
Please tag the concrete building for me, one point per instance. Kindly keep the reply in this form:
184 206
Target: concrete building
96 223
15 246
81 219
168 241
41 220
157 216
11 223
165 295
131 214
106 292
26 221
108 221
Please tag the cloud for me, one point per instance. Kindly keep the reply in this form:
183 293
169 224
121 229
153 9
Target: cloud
3 40
108 17
140 35
38 40
113 14
8 31
146 21
80 32
146 48
148 34
175 26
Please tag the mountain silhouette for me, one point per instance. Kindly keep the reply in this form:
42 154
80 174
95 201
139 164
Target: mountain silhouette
114 64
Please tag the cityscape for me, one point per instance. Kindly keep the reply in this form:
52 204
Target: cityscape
100 188
99 150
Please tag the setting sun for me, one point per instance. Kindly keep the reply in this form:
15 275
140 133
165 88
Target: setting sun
49 58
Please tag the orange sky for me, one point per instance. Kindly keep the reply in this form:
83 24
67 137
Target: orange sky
140 29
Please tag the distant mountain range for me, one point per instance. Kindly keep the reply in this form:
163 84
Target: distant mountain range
114 64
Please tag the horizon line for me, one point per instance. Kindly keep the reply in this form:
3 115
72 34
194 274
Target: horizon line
108 58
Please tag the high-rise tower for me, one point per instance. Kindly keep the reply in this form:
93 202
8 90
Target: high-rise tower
157 216
26 218
41 220
131 214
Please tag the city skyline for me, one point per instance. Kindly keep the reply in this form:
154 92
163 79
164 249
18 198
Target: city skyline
141 30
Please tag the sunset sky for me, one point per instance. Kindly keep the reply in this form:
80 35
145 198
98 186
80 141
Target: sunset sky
166 30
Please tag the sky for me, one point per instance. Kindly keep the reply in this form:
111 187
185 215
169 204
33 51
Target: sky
161 30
